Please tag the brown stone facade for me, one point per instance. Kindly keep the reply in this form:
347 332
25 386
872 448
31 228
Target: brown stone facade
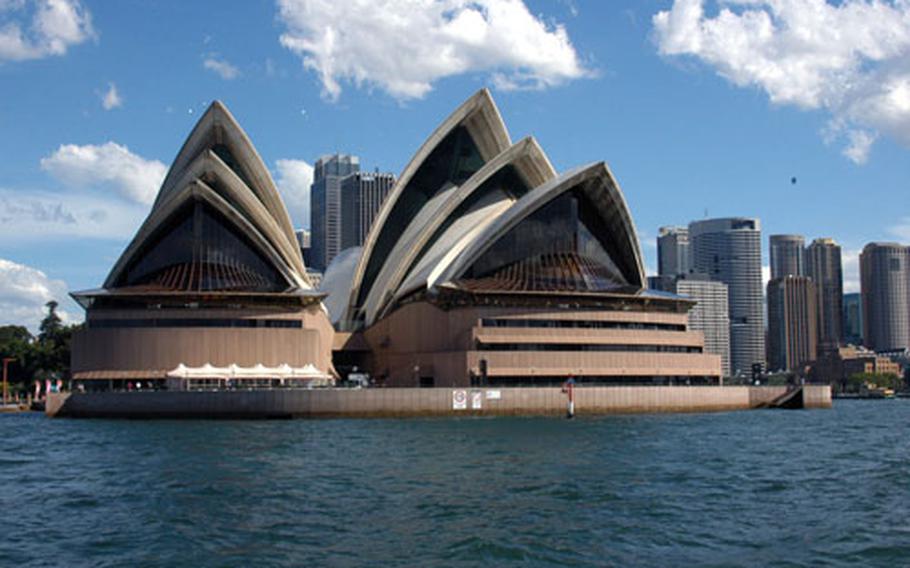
427 344
159 340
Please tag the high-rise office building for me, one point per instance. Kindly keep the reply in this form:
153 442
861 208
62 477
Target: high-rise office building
885 280
672 251
787 256
710 315
823 266
729 251
853 318
792 322
362 195
303 242
325 206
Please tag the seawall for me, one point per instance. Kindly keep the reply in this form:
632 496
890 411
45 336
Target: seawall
394 402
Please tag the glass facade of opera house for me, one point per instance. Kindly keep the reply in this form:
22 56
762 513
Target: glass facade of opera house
484 266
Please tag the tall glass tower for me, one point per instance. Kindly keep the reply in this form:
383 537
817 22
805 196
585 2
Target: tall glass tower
823 265
885 279
787 256
325 206
729 250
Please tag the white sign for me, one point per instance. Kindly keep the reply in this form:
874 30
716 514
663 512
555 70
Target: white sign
476 400
494 395
459 400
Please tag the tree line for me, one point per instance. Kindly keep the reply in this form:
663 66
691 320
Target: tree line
41 357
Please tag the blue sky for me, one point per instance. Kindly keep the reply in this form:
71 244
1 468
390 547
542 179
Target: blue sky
697 107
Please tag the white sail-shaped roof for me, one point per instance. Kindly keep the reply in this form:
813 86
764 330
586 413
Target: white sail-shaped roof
597 184
241 236
491 190
462 144
439 229
218 130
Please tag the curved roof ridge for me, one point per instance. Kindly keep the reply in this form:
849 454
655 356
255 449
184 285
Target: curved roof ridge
532 165
588 177
205 165
482 119
198 189
218 126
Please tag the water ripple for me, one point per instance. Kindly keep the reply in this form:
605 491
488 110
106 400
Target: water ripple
816 488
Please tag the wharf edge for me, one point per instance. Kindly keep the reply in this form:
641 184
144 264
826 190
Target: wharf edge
425 402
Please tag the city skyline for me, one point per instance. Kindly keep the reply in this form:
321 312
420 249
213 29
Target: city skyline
92 112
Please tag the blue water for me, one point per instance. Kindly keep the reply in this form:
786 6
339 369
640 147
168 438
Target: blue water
759 488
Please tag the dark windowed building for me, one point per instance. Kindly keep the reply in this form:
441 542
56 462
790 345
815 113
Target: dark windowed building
823 265
673 251
729 251
787 255
362 195
885 280
853 318
325 206
792 332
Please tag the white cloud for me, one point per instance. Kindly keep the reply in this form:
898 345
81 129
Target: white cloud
40 216
849 258
404 47
108 165
224 69
860 142
42 28
111 98
851 58
24 291
293 181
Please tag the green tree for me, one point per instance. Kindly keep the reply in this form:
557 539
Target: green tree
875 380
37 358
51 325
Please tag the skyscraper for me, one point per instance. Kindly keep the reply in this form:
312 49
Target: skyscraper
303 241
787 256
729 251
325 206
823 265
885 280
362 195
710 315
792 320
672 251
853 318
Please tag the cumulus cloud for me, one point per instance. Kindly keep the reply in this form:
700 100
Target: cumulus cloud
224 69
111 98
41 28
850 58
404 47
24 291
109 165
293 181
40 216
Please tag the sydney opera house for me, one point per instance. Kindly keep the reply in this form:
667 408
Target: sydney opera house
213 279
484 266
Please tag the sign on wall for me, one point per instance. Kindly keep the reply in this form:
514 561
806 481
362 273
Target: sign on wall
476 400
459 399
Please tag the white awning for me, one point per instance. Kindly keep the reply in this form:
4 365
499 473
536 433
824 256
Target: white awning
258 371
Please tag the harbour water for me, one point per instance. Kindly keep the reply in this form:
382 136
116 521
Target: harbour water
758 488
